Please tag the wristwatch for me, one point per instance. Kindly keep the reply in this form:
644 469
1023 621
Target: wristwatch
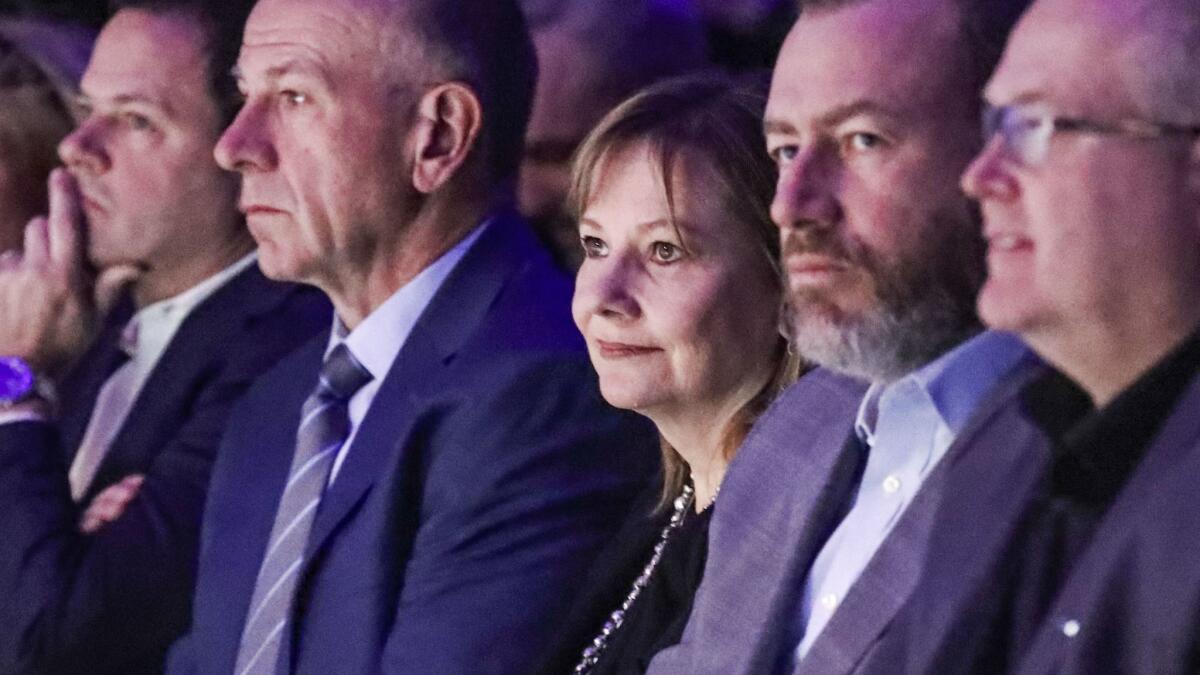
17 381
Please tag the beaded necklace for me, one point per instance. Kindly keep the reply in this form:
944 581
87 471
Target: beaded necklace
591 655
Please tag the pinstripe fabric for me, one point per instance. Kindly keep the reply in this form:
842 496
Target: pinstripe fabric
324 426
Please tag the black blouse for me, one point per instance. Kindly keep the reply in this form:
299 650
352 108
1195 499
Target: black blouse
658 616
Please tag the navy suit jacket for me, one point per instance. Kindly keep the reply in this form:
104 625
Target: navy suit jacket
482 480
114 601
1130 603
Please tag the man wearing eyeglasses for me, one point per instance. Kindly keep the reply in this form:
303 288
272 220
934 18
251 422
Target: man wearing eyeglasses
1079 555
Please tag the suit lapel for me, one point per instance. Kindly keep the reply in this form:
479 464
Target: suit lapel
892 573
455 313
187 360
812 522
764 529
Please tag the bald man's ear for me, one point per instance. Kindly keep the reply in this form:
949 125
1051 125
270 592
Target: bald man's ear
449 118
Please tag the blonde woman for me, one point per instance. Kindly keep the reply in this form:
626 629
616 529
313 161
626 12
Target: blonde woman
678 299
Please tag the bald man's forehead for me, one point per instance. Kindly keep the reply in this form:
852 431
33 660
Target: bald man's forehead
1077 63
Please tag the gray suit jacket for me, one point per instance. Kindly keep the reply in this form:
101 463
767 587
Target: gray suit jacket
789 475
783 496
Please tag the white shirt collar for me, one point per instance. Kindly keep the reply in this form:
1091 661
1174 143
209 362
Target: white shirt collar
150 330
952 384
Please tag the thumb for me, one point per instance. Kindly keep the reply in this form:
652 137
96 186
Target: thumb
110 283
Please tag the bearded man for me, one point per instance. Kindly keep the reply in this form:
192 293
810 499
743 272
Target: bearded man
825 515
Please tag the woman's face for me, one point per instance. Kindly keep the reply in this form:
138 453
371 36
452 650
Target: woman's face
679 321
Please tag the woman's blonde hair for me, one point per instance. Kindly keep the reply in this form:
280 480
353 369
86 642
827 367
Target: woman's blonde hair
718 121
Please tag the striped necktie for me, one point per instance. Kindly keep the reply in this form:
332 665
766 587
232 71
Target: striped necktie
324 426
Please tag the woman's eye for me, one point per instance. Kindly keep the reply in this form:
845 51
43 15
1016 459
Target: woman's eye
593 247
665 252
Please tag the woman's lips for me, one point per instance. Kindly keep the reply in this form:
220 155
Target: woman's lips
621 350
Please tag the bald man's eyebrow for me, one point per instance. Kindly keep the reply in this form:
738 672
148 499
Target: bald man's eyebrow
835 116
290 66
841 113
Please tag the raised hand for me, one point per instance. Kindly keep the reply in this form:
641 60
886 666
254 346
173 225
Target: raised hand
48 297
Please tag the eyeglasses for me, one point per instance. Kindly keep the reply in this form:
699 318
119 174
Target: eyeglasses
1027 129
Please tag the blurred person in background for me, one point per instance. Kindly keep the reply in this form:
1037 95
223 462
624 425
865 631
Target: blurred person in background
592 56
746 34
40 65
679 298
88 13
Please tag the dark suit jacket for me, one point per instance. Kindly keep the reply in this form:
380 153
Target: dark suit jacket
1133 594
114 601
485 475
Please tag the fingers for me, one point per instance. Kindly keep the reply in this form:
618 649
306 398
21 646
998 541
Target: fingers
91 524
37 242
65 221
109 285
110 504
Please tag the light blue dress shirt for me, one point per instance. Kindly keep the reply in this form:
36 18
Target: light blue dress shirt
907 425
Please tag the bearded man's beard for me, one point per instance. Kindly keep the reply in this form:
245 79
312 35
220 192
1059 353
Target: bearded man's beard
924 302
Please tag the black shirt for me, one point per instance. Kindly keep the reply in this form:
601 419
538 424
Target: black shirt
1094 454
656 619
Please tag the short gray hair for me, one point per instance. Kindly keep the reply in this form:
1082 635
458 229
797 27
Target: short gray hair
485 44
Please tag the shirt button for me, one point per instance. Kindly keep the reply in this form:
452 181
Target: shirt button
1070 628
891 484
829 600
